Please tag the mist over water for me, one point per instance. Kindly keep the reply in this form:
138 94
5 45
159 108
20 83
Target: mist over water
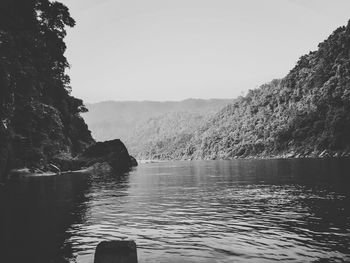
201 211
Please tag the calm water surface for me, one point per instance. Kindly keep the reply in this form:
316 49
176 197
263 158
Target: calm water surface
203 211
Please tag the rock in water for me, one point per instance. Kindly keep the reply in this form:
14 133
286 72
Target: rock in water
133 161
116 252
113 152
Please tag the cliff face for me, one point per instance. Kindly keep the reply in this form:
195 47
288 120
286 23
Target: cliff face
39 119
307 113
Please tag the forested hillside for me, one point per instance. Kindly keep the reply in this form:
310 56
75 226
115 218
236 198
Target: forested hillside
125 119
307 113
166 136
39 117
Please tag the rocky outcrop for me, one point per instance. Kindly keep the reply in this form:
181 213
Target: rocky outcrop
108 156
112 152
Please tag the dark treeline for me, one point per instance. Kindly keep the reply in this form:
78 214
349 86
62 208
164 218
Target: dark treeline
307 113
39 117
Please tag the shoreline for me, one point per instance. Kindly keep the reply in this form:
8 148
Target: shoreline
287 155
26 172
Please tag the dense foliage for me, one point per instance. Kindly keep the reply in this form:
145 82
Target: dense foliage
38 115
166 136
307 113
142 124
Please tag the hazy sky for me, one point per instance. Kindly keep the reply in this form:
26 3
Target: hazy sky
177 49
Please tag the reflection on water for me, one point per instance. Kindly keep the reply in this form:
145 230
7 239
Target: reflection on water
35 215
205 211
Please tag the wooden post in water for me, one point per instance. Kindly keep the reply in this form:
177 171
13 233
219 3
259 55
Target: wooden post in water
116 252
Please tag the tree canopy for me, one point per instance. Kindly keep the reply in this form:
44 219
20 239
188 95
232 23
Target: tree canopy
35 100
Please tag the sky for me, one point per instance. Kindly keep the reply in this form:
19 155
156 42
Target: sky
177 49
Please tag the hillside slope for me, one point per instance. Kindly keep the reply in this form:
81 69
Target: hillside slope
166 136
307 113
123 119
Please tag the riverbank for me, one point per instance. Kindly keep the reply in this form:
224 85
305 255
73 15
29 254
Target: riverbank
26 172
297 155
94 169
264 155
99 167
108 156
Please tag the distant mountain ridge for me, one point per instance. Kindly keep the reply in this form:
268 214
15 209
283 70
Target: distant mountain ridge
124 119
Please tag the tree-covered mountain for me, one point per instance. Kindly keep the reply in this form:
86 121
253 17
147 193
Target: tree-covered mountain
39 119
165 136
125 119
307 113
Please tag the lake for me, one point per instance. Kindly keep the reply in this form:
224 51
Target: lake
199 211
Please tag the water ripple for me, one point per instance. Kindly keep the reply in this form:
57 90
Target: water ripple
211 211
176 213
